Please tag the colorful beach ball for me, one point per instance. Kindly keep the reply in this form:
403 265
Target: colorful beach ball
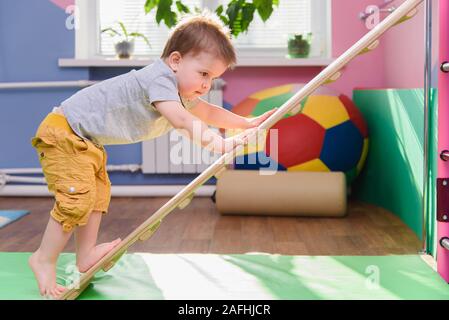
327 134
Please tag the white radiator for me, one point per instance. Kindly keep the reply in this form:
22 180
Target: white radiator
174 153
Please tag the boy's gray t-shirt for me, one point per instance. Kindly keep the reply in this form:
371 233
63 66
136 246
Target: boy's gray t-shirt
119 110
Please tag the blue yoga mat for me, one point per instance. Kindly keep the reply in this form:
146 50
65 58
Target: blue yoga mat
8 216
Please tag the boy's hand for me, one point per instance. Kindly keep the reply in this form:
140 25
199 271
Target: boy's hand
241 138
255 122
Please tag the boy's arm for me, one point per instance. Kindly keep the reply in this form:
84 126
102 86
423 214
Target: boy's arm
196 129
219 117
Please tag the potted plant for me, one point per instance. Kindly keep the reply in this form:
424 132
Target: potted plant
237 17
299 45
124 46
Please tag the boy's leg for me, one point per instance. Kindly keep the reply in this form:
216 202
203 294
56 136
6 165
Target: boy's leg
43 261
87 253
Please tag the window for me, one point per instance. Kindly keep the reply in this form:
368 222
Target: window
132 14
263 39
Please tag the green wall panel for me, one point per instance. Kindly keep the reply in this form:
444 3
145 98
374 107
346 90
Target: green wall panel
393 173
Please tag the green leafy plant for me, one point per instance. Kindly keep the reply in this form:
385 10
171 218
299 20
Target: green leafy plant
299 45
238 14
124 34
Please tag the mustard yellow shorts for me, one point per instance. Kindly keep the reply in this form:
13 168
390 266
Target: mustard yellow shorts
75 171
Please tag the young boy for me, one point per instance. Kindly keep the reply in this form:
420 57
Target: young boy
129 108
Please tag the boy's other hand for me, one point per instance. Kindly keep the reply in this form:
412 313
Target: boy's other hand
255 122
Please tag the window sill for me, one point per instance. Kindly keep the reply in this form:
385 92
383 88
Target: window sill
243 62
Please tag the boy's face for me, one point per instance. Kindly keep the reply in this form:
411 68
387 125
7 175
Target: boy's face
196 73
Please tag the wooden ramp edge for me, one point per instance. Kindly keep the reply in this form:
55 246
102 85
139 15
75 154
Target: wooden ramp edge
180 200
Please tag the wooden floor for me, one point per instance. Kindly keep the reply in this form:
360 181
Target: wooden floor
199 228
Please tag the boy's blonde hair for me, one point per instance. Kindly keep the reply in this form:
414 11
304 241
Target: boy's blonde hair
202 32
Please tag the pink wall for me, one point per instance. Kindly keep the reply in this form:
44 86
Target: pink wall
241 82
405 52
63 4
366 70
397 62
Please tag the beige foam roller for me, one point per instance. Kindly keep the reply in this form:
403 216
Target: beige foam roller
283 193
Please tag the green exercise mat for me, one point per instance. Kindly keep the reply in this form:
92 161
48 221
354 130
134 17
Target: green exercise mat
239 276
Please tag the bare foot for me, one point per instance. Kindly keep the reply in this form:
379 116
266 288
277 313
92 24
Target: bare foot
85 262
45 273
